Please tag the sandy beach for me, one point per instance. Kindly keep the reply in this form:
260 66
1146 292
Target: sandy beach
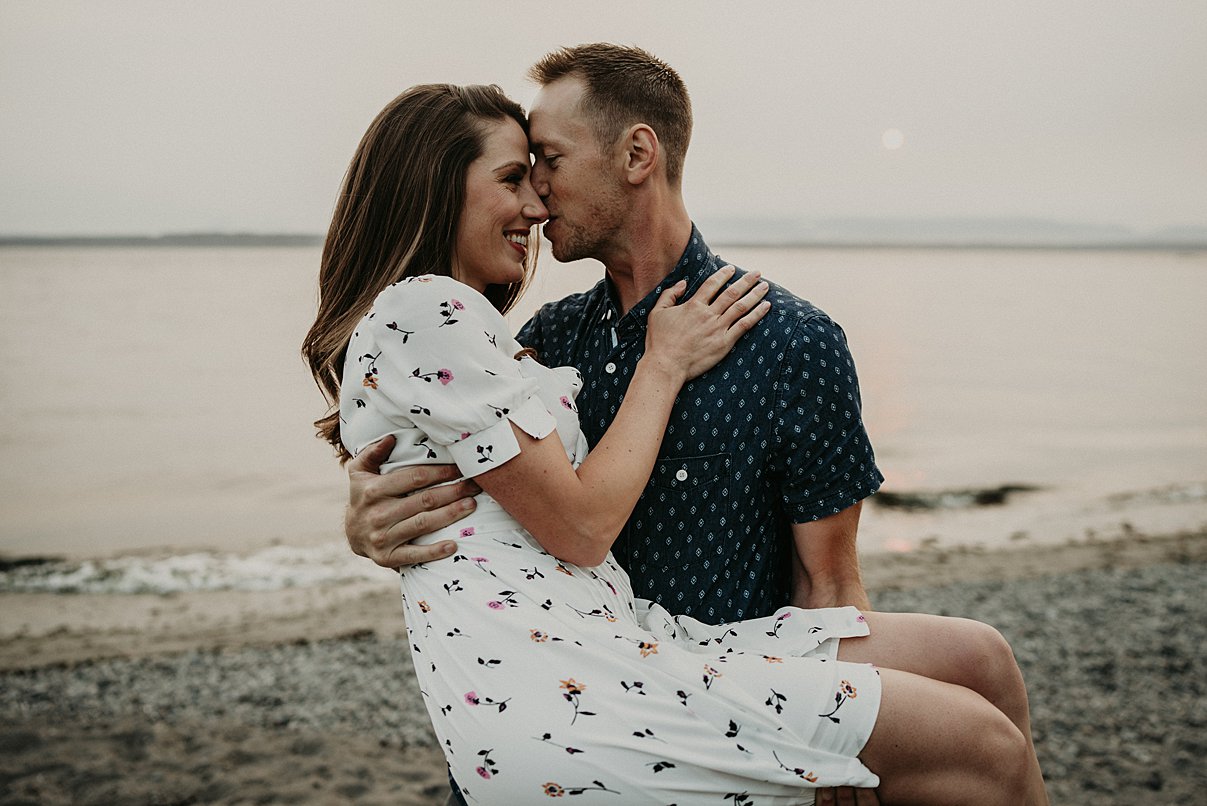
306 695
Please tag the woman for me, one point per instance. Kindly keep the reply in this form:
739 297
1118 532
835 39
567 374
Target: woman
542 673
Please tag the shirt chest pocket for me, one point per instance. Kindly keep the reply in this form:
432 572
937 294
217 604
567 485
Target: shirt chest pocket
685 473
688 515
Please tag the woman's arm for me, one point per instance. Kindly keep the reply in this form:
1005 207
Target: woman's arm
576 515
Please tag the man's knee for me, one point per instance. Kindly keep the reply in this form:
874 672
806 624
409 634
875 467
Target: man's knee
1006 761
990 664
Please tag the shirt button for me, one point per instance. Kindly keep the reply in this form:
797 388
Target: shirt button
609 368
682 474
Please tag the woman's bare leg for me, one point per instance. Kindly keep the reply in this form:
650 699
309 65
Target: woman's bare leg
961 652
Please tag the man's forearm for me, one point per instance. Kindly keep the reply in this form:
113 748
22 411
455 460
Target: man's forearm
810 593
826 572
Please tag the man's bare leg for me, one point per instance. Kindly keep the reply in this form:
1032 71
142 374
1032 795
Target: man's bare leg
960 652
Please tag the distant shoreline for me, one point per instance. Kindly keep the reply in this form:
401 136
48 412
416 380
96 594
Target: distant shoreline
234 240
184 239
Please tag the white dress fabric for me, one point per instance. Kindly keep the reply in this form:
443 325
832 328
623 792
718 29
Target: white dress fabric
546 679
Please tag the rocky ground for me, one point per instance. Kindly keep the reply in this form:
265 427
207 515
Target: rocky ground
1113 653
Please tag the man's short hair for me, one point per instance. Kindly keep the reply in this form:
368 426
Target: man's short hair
624 86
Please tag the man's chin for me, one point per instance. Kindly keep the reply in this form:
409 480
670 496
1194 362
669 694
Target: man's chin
562 252
567 250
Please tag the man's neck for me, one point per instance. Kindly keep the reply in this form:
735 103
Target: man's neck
651 252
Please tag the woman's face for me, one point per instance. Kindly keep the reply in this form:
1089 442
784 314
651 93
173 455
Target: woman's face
500 210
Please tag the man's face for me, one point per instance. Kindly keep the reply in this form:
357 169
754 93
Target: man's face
576 178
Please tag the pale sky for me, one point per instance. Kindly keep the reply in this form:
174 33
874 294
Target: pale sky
159 117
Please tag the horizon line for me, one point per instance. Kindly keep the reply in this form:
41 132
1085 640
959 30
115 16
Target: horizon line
233 239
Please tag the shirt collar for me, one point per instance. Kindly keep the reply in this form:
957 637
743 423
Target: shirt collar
695 265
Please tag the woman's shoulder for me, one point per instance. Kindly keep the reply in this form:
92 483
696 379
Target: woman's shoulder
426 285
432 300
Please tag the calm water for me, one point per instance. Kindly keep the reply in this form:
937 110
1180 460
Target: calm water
157 402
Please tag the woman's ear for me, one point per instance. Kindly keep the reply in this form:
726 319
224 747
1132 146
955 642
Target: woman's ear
642 153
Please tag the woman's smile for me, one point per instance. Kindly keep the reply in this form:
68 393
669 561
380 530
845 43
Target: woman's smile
499 200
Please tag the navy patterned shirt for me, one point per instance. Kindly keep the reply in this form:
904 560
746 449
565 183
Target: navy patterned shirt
769 437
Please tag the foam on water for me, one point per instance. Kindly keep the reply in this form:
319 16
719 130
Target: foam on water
271 569
898 521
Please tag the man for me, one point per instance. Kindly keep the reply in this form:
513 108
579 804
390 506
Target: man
755 499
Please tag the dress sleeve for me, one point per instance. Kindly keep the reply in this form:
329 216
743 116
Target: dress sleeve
439 363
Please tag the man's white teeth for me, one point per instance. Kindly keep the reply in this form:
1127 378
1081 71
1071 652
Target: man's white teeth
522 240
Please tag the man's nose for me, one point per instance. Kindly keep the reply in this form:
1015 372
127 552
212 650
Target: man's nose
534 211
539 181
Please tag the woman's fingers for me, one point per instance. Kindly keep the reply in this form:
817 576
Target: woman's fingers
747 322
697 332
709 288
746 303
734 303
736 290
670 296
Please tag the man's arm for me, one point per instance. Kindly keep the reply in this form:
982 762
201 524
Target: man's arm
825 573
825 568
829 466
386 512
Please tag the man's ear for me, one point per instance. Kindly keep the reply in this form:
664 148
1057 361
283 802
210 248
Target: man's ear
642 153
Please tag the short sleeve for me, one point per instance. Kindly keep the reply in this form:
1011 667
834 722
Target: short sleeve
530 334
824 448
435 354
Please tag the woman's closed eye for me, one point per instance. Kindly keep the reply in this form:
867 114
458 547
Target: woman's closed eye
513 175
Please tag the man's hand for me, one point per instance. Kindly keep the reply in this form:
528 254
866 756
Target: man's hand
826 568
386 512
847 796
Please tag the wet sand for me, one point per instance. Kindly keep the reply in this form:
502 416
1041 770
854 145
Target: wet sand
307 695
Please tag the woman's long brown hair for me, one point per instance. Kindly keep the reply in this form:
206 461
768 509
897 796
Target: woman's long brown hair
397 216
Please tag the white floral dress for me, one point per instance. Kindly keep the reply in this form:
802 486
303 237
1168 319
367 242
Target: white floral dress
546 679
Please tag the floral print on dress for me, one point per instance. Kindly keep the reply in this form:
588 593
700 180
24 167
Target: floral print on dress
448 310
370 378
444 375
571 691
554 790
538 674
449 343
845 692
402 332
472 699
